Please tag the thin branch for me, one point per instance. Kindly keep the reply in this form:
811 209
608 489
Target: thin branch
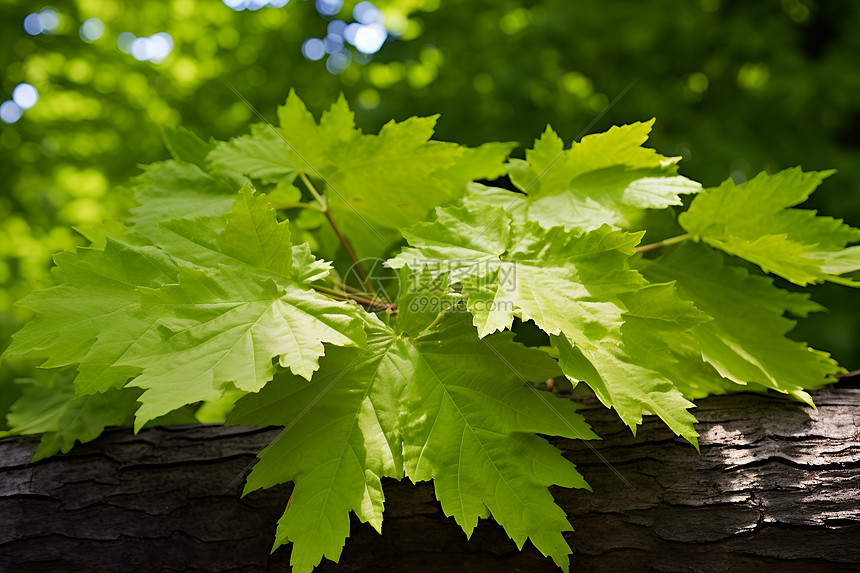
343 294
351 289
351 297
663 243
331 293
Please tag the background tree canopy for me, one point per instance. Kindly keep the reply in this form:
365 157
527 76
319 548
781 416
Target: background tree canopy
736 88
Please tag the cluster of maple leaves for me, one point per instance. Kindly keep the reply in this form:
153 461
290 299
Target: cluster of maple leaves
212 293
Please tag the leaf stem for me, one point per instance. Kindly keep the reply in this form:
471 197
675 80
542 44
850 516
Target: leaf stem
349 252
298 205
337 232
435 321
312 189
663 243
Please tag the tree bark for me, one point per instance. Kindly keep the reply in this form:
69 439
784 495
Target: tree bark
776 487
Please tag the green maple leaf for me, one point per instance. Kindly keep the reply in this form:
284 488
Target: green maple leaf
221 328
182 188
746 340
486 161
247 237
423 298
474 427
185 146
658 331
96 307
563 281
573 285
845 261
367 176
373 184
175 190
637 368
262 155
225 327
452 237
439 404
189 330
754 221
333 447
607 178
310 144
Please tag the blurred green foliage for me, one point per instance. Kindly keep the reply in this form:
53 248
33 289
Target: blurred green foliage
737 87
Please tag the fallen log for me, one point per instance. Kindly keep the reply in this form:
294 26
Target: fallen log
776 487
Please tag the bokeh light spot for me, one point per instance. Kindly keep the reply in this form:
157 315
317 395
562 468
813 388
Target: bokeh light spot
336 63
328 7
698 83
124 41
367 13
92 30
25 96
79 71
45 22
753 76
254 4
313 49
368 98
153 49
577 84
160 46
367 39
336 27
50 20
333 43
10 112
228 38
598 101
514 21
399 25
139 49
33 25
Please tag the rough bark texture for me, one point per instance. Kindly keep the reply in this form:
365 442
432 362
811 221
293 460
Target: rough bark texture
776 488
